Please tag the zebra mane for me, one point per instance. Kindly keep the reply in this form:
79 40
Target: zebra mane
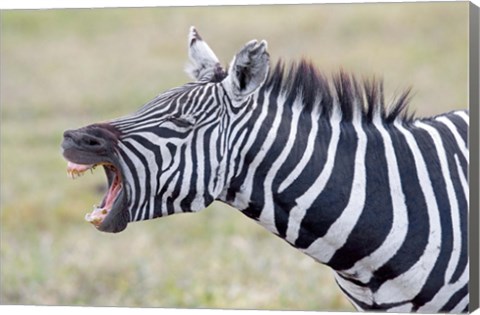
304 80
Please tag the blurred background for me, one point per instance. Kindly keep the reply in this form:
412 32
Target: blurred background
63 69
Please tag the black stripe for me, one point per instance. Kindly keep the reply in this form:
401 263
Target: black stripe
455 299
436 277
376 218
285 200
370 307
299 147
205 100
418 227
161 101
452 148
279 142
312 169
360 304
237 179
187 101
150 146
134 198
158 198
256 207
354 281
145 185
186 203
208 172
461 125
176 190
463 209
331 202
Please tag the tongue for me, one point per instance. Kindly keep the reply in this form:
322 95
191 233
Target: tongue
112 193
98 214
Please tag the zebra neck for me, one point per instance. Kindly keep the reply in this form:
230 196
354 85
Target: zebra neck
346 193
369 198
302 176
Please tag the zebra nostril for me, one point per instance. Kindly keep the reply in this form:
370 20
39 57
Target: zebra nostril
82 139
90 141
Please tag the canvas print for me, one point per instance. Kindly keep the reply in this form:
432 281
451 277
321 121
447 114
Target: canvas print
320 152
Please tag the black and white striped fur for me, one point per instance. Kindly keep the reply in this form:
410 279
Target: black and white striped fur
379 196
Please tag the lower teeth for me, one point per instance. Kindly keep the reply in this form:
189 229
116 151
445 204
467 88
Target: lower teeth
96 216
90 218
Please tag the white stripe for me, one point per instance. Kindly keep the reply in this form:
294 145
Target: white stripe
464 116
463 180
241 200
247 187
407 285
187 175
139 117
362 294
168 192
445 293
365 267
243 121
452 199
189 105
153 168
235 151
167 157
307 155
199 202
160 143
166 160
217 167
460 306
140 172
244 118
267 217
458 139
305 201
177 158
325 247
205 99
140 126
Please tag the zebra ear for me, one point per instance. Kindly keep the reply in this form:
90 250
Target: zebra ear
248 70
203 65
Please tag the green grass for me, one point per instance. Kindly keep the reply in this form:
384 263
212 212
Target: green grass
67 68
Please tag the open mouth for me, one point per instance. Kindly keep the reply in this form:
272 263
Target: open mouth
87 148
115 184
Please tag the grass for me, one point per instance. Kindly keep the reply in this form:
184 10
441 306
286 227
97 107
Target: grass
67 68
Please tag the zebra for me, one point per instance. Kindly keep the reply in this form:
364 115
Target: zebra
375 193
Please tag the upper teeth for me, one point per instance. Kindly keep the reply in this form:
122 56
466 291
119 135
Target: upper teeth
74 173
76 170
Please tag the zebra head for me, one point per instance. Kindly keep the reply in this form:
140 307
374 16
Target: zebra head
170 155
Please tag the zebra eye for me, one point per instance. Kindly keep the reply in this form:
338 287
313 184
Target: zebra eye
182 122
